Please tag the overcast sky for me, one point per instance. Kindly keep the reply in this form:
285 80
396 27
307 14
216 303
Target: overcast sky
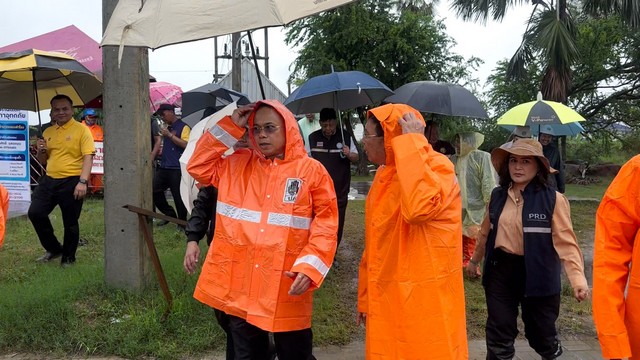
192 64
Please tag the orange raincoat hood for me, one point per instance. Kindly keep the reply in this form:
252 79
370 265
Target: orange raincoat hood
272 216
410 279
388 116
294 147
616 266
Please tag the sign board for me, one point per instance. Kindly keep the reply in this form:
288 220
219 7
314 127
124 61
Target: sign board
14 154
98 159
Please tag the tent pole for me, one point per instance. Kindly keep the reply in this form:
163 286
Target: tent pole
35 91
255 62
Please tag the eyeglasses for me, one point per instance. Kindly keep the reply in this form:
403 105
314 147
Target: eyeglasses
268 129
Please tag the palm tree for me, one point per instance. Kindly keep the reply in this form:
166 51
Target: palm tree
628 10
550 35
417 6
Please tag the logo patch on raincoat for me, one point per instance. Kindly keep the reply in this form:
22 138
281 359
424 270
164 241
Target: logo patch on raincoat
291 190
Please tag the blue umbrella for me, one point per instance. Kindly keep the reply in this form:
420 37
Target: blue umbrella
338 90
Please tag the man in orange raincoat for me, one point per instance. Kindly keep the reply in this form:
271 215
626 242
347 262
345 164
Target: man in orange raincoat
616 266
275 236
410 293
89 119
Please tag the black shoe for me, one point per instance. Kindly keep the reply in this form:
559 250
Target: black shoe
556 354
48 256
65 262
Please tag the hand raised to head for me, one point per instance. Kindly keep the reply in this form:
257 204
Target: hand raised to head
410 123
240 115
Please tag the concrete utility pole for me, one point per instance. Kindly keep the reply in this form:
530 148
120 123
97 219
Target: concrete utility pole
128 172
236 62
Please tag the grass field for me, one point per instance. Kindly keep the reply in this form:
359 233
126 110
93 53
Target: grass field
591 191
60 312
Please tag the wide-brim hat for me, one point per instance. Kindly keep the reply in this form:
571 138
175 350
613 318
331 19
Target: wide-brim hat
521 147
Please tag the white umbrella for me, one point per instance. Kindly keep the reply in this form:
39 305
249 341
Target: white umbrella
158 23
188 185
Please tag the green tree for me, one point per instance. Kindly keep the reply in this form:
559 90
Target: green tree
605 90
396 42
628 10
550 35
394 46
606 81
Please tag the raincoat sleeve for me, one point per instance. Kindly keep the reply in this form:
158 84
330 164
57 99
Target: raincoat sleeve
201 214
617 226
483 234
316 257
424 190
488 178
207 161
363 278
566 243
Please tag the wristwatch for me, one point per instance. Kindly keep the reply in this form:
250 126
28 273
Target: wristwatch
83 181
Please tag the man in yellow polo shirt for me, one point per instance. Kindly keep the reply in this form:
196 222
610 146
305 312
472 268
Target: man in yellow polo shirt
67 152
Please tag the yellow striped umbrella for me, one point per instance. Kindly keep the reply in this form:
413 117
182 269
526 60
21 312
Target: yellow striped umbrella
29 79
542 112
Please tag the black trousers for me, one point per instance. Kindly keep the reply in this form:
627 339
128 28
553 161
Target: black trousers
342 209
505 292
252 343
168 179
223 321
49 193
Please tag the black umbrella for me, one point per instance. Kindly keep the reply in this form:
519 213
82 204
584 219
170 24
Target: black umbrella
438 98
194 102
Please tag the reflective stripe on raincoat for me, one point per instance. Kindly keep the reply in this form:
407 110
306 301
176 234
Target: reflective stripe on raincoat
616 265
272 216
477 180
410 279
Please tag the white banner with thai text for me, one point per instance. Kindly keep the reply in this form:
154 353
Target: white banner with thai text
98 159
14 154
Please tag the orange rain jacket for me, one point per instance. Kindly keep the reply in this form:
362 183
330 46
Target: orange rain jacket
410 280
4 212
616 265
272 216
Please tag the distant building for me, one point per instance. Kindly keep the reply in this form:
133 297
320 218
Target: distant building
250 85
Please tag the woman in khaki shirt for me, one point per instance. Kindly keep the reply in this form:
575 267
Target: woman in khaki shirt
524 239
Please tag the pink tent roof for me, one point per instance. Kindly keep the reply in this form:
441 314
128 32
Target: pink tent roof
69 40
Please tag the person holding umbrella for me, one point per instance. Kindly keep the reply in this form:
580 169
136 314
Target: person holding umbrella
67 152
551 152
335 152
